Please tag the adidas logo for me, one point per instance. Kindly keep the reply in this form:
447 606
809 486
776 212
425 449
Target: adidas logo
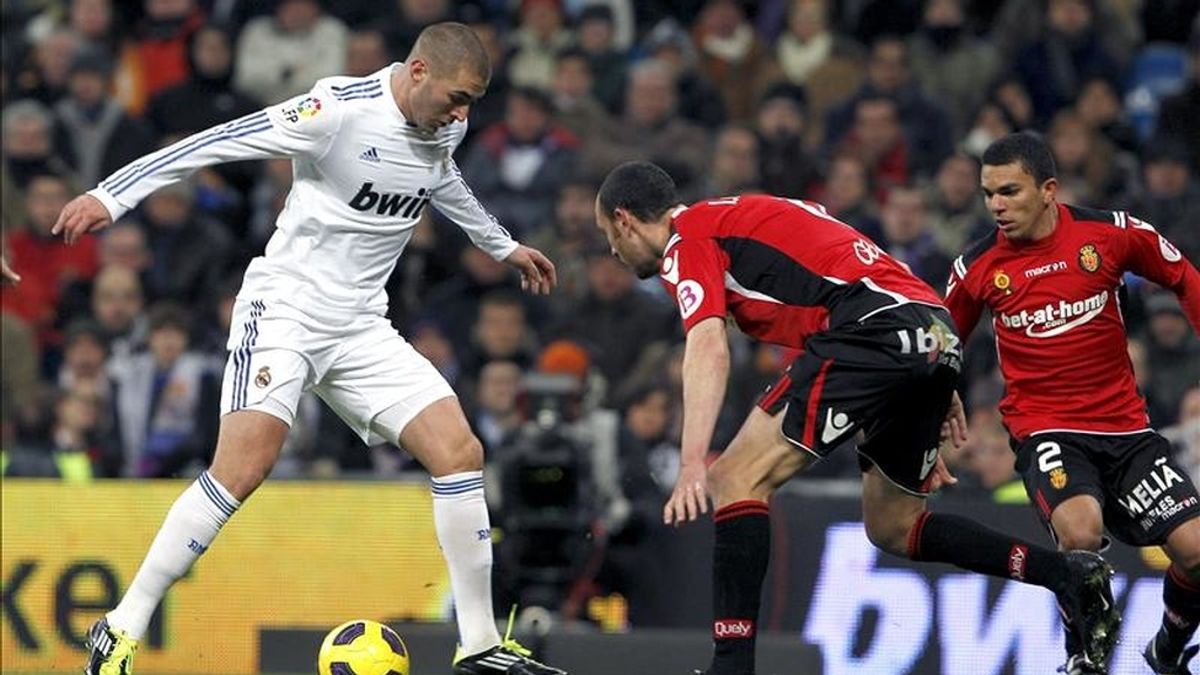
370 155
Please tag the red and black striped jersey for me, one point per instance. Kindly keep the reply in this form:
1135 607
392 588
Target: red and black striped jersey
1059 331
783 268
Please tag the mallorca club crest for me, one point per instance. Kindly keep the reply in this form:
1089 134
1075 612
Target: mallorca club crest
263 378
1058 478
1089 258
1002 281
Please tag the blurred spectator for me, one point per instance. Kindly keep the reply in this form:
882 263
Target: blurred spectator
1178 115
1139 359
787 168
880 19
735 163
952 64
990 459
428 338
596 33
877 139
517 166
283 55
427 261
90 20
1086 161
44 76
926 125
615 322
45 262
1174 352
166 400
575 106
908 237
1169 198
27 143
207 97
267 198
957 214
117 303
455 302
366 53
496 416
93 134
827 64
1019 22
1054 67
697 99
190 252
159 58
1012 96
85 351
652 132
847 195
402 23
567 240
501 333
991 123
19 382
734 57
536 42
1099 105
490 109
1186 434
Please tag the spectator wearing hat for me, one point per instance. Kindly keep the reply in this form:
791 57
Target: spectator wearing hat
535 43
93 133
166 399
596 35
1177 118
698 100
282 55
1169 196
1174 351
517 166
952 64
207 97
786 167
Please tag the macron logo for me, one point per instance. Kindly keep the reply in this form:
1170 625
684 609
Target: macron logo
371 155
388 204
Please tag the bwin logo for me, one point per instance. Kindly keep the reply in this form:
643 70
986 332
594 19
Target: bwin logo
385 203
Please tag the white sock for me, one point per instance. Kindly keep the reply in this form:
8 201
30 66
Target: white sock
190 526
461 519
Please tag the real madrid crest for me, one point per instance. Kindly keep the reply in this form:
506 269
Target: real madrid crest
263 378
1058 478
1002 281
1089 258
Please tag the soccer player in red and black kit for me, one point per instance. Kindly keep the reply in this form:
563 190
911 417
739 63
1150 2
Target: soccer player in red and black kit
880 355
1050 276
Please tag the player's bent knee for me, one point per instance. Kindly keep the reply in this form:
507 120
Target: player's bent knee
889 532
466 455
1081 540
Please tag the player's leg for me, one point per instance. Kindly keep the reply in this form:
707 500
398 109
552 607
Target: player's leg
1166 652
756 463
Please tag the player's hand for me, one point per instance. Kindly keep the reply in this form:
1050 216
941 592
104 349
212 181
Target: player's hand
941 476
690 498
81 215
954 428
7 275
537 272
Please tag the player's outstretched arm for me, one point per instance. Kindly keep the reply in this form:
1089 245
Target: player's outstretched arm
538 275
81 215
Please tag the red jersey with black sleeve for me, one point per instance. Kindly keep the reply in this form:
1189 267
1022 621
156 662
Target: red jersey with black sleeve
1059 332
783 268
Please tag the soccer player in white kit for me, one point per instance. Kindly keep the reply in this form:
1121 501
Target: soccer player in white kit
368 155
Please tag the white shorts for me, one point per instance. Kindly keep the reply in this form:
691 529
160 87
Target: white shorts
360 369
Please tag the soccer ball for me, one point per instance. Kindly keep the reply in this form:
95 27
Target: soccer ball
362 647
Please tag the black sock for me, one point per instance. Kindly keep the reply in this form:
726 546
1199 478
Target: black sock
1181 613
943 537
740 556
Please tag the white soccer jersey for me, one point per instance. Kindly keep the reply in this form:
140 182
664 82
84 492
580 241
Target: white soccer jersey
361 178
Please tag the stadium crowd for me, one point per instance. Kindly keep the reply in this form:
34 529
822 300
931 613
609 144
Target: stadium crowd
113 348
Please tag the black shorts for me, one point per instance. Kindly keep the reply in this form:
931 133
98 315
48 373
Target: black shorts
891 375
1142 490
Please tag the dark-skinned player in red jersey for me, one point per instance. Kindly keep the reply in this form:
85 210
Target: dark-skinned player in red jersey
880 356
1050 276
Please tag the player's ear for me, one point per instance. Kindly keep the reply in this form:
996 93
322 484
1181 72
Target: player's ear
1049 190
417 68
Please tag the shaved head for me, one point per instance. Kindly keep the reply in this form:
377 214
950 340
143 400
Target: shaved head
449 48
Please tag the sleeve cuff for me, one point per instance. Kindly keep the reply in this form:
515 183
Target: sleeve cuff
115 210
505 250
